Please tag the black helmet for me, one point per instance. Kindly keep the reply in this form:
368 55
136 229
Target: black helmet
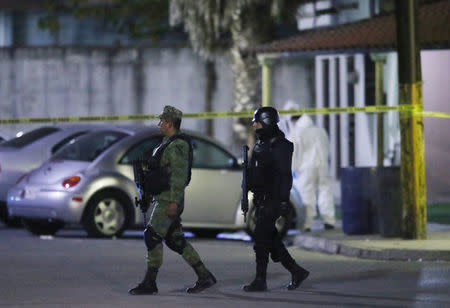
267 116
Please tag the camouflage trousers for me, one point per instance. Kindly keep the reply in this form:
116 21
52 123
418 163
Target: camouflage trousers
170 230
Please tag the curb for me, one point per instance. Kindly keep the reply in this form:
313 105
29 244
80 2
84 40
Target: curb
321 244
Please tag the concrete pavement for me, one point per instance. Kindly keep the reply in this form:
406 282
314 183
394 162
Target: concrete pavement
372 246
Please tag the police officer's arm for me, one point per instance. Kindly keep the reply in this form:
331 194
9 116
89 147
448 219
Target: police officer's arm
282 167
178 156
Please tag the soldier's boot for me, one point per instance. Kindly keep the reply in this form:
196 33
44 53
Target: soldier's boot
205 279
298 273
259 283
148 284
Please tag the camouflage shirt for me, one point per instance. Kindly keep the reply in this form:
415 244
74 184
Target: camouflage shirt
176 159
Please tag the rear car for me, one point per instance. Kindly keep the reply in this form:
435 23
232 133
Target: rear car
28 151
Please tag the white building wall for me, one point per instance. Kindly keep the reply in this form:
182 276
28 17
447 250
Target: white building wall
293 79
52 82
436 97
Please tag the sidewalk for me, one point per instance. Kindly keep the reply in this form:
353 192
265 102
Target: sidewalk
372 246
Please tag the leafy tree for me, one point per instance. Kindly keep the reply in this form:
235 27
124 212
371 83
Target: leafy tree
141 18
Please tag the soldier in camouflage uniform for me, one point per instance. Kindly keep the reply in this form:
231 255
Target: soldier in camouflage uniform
165 221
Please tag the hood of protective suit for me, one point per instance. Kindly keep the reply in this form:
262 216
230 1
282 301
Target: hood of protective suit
285 124
290 104
304 121
311 144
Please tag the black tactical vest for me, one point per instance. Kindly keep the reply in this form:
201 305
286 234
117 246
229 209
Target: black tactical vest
261 165
157 176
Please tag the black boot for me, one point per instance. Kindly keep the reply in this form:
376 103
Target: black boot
148 285
298 273
297 278
259 283
205 279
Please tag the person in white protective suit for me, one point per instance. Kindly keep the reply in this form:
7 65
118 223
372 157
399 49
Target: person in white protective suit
310 168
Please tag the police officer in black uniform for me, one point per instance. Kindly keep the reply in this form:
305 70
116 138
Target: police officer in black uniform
270 180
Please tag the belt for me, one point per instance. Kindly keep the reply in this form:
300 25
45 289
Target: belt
263 197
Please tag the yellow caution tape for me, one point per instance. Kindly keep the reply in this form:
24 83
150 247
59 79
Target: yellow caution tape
435 114
227 114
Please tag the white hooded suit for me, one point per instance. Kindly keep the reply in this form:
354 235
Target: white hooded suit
310 168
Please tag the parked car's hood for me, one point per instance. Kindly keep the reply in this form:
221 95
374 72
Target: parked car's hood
54 171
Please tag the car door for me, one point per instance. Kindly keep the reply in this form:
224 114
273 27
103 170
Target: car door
214 193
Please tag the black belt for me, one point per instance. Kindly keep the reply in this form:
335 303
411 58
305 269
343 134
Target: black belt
263 197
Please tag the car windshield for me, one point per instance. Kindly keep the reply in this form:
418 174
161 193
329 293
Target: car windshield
89 147
30 137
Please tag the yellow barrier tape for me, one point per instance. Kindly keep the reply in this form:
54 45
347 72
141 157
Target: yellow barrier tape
238 114
435 114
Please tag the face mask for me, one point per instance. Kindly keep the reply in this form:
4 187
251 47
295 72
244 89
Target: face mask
266 132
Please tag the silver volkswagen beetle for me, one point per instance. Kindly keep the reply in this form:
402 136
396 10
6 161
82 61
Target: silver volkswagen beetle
28 151
91 182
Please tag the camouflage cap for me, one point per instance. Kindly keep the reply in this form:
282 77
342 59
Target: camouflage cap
170 112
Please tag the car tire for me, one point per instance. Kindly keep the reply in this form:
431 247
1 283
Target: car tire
42 227
107 214
283 223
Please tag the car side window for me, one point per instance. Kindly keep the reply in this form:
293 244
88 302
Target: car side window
89 147
209 156
143 149
30 137
66 140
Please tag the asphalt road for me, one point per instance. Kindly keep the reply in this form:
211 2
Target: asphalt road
70 270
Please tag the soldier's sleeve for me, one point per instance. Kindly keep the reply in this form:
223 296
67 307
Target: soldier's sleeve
178 156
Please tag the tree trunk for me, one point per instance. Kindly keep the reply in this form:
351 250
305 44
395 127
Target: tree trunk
246 90
248 29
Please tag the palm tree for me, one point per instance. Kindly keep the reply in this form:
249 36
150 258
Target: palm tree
217 27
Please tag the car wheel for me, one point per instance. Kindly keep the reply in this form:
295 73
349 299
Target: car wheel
106 215
42 227
283 223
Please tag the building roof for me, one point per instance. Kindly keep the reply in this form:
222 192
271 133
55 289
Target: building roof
377 33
